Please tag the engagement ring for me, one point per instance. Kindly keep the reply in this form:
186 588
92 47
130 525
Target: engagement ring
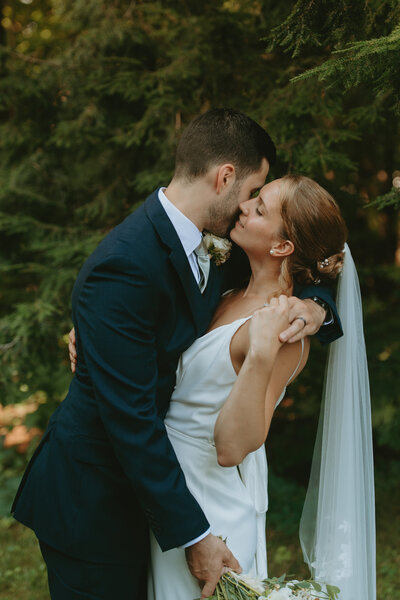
302 319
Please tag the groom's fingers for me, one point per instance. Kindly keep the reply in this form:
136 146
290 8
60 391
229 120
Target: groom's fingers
211 582
207 559
209 588
294 332
306 317
232 563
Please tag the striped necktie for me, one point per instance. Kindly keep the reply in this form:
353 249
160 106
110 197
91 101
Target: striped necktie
203 260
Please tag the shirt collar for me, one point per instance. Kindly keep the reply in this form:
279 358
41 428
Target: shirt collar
186 230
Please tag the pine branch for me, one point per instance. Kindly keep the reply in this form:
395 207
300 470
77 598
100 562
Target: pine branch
5 347
355 60
33 59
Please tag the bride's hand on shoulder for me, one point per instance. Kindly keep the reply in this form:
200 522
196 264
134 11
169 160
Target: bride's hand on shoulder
266 325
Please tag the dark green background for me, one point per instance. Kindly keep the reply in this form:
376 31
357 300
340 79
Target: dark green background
93 97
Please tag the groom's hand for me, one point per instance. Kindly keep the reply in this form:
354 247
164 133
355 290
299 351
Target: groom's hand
207 560
305 317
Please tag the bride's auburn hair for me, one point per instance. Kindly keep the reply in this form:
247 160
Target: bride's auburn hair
312 221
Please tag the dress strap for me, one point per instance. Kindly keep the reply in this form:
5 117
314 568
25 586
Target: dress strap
227 292
298 364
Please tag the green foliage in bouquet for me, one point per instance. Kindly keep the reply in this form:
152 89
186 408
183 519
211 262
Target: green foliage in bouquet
243 587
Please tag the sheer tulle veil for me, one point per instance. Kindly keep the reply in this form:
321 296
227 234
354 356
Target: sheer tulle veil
337 528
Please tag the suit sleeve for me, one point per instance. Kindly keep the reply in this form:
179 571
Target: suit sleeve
333 331
115 317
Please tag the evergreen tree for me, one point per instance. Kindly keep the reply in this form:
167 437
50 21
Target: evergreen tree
93 97
92 101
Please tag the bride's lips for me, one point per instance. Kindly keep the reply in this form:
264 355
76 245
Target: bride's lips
239 222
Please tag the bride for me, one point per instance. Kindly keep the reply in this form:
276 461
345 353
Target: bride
232 378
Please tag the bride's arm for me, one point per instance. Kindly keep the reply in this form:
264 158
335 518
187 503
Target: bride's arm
243 423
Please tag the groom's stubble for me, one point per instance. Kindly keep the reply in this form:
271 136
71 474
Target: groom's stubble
224 212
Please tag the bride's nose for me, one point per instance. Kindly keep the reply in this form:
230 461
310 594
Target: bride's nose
244 207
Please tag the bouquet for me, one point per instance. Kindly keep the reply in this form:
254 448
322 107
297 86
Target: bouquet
244 587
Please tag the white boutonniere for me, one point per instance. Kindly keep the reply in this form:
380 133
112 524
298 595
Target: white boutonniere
219 249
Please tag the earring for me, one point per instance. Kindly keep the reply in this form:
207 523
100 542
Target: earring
271 251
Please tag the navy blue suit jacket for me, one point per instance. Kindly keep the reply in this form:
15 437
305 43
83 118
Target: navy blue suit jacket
105 467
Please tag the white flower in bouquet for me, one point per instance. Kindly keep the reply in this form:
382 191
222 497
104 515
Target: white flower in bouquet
252 581
283 593
218 248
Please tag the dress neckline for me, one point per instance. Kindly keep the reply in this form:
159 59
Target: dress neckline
230 360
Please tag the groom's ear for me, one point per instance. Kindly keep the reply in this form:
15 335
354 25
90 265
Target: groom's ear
225 177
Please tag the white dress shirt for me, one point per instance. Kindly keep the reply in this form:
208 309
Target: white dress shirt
190 238
186 230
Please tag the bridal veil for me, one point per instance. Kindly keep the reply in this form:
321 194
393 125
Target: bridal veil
337 528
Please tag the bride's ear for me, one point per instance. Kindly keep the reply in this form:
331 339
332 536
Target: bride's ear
282 248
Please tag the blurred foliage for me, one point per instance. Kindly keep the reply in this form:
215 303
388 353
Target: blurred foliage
284 511
22 570
93 97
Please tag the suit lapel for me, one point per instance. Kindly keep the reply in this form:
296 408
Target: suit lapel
178 258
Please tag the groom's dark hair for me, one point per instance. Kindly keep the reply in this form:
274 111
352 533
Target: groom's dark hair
222 135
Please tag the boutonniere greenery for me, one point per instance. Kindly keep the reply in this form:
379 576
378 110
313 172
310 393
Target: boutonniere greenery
219 249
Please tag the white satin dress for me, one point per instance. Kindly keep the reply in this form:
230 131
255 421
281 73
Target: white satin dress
234 499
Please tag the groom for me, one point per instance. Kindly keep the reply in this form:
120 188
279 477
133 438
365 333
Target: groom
105 468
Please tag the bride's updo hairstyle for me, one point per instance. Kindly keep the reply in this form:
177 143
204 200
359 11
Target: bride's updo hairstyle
312 221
